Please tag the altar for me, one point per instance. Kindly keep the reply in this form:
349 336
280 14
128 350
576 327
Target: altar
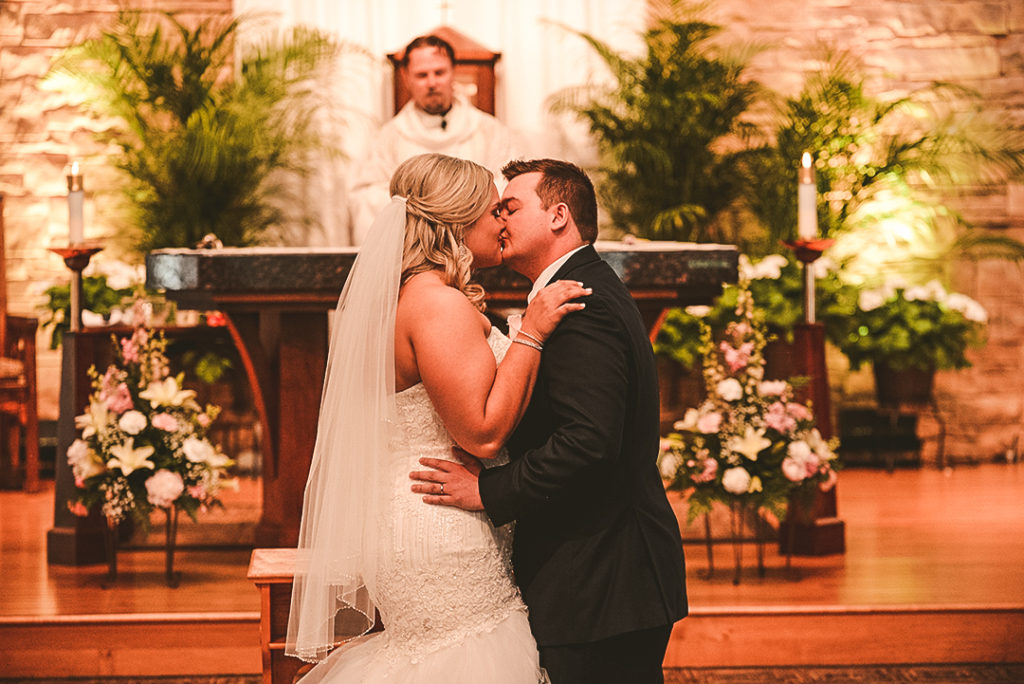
277 303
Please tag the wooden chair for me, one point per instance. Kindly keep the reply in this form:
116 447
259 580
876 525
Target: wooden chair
19 419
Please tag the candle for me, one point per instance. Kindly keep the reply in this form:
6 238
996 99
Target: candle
807 201
76 205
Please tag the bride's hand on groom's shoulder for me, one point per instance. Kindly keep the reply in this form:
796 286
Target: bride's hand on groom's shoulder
551 305
450 484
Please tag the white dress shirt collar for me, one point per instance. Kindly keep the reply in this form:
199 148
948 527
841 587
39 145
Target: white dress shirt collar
549 272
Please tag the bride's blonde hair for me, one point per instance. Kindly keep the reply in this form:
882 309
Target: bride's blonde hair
444 196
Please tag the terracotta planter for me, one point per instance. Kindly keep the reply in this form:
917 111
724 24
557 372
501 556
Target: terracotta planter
903 387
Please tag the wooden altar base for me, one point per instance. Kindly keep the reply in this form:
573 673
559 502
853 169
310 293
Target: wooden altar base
932 577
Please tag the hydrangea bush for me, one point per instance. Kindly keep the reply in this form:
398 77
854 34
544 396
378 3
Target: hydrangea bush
144 440
750 441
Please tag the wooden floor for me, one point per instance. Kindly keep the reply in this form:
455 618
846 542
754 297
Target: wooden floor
933 573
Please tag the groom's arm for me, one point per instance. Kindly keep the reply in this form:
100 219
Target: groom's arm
586 370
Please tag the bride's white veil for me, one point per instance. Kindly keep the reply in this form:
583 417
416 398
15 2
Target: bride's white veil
338 534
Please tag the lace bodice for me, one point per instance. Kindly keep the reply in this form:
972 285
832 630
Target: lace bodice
446 572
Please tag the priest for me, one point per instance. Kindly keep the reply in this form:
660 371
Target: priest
434 120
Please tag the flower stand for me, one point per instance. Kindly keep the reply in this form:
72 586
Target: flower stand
172 578
740 514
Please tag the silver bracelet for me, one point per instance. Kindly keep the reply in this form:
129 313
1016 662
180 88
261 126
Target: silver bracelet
527 343
523 332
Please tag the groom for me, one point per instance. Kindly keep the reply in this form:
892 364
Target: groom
597 551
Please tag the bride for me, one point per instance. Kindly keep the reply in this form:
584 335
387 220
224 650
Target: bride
414 368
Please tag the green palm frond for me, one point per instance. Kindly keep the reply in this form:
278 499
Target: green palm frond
206 132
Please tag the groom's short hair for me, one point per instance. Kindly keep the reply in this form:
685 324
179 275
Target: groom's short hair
562 181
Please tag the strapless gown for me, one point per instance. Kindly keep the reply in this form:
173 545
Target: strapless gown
452 613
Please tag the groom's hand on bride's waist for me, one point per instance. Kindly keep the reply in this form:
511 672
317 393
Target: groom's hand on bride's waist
450 484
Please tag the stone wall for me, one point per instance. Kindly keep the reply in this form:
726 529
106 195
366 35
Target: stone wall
41 131
904 43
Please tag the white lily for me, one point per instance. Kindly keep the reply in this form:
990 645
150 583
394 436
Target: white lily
129 459
166 392
94 420
750 444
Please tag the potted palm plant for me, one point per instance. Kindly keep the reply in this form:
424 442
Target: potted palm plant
208 132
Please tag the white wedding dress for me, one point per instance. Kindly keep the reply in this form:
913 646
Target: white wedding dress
452 613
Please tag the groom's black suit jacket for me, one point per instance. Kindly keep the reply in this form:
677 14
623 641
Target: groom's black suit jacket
597 550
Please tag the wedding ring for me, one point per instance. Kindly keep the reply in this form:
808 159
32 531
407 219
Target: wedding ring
442 489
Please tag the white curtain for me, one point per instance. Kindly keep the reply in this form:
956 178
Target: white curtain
538 58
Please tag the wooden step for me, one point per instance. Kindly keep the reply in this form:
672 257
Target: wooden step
125 645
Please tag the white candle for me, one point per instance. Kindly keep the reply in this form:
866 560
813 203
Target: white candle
807 201
76 206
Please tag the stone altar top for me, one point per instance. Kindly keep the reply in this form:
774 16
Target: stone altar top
205 278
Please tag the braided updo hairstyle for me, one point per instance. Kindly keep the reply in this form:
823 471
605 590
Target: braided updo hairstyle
444 197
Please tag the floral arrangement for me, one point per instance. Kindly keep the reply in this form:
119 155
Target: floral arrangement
144 438
776 285
749 441
904 326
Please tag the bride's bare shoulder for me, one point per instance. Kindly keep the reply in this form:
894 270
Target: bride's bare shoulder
426 294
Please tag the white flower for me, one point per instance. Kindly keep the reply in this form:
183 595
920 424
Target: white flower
793 469
201 451
772 388
94 420
869 300
166 392
669 464
689 421
756 372
729 389
750 444
736 480
83 461
972 310
198 450
698 310
129 459
91 319
132 422
164 487
770 267
799 450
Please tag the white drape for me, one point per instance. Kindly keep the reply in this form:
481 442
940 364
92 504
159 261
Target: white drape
537 60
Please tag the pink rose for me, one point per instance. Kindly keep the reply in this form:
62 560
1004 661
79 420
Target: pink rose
709 422
777 419
798 411
197 491
121 400
165 422
203 420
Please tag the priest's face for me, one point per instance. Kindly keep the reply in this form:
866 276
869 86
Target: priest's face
429 79
483 237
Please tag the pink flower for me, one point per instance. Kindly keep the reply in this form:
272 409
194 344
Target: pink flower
121 399
830 482
798 411
737 358
78 509
777 419
197 491
129 350
165 422
709 472
709 422
203 420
